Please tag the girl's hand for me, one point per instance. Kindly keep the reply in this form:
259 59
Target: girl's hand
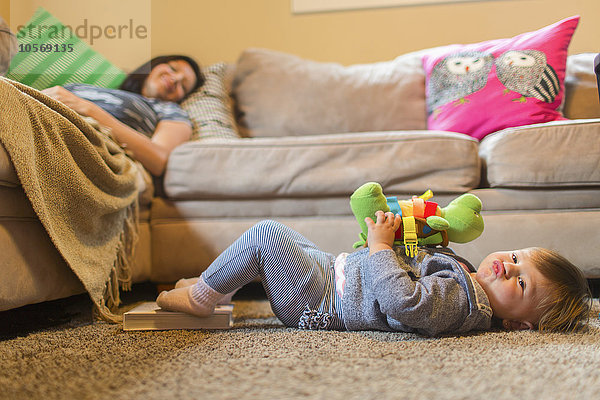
381 233
72 101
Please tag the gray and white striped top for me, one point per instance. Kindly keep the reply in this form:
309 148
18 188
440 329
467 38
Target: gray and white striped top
136 111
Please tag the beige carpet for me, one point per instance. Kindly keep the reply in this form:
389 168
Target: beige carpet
261 359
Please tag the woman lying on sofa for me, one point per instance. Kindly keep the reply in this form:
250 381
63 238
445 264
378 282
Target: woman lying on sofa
143 115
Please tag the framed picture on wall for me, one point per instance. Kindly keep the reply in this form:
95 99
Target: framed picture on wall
312 6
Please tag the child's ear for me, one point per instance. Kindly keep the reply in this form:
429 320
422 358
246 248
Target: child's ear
517 325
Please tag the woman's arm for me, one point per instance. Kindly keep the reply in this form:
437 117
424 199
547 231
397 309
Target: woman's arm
152 153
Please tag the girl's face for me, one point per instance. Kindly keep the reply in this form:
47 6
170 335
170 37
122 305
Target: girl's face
170 81
514 287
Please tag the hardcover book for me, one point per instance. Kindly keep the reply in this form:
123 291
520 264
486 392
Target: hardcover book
149 316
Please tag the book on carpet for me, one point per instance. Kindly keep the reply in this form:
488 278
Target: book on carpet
149 316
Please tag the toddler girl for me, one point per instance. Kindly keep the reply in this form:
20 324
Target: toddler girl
380 288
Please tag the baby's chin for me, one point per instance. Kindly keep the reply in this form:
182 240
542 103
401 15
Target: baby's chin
486 263
484 271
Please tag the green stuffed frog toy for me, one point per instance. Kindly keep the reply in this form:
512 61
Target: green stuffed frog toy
424 223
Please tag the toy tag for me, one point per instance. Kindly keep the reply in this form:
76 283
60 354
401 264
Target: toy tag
427 195
410 236
418 207
406 207
392 203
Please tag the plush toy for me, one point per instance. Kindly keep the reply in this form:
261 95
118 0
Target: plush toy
423 222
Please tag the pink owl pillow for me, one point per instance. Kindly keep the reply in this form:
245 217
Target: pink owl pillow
484 87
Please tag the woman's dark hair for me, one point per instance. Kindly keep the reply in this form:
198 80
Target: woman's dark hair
135 80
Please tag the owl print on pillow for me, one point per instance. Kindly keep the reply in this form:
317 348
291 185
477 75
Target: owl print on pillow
482 88
527 73
456 77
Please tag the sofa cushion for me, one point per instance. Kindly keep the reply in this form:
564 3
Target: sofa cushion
581 88
555 154
280 94
485 87
8 175
323 165
165 209
536 199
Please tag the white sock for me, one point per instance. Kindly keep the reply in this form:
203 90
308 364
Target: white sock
204 295
192 281
199 299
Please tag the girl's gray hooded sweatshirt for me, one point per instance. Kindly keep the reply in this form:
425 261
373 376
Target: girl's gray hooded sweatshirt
430 294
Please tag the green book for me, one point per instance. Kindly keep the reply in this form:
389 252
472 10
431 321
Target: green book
149 316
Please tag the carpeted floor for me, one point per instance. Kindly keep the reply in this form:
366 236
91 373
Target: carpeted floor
65 356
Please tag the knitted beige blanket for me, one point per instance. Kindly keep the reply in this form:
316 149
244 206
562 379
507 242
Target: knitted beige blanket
80 184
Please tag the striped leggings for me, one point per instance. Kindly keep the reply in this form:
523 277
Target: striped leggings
298 277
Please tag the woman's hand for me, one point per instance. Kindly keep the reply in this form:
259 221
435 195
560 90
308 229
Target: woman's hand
382 232
72 101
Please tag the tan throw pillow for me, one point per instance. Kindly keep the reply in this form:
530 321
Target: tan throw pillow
279 94
209 108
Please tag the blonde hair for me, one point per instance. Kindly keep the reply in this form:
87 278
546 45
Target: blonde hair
569 301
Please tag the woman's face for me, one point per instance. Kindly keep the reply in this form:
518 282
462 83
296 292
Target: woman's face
170 81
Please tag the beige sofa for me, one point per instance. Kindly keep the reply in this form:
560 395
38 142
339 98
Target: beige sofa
309 134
